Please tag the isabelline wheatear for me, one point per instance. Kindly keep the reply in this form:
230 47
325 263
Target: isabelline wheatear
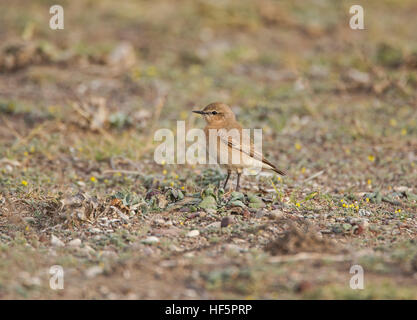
232 142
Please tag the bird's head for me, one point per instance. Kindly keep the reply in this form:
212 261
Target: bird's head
217 113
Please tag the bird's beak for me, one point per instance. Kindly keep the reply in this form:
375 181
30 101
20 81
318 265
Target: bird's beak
200 112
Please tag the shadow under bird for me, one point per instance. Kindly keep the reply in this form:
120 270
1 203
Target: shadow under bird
219 116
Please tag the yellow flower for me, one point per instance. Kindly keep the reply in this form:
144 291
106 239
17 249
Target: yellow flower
298 204
297 146
398 211
371 158
164 172
182 188
341 200
303 170
393 122
171 184
151 72
136 73
163 162
93 179
344 205
367 199
369 181
404 132
24 182
25 153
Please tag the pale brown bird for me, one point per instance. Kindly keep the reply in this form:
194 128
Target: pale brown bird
235 142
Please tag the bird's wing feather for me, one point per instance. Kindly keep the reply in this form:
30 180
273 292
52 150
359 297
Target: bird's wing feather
248 148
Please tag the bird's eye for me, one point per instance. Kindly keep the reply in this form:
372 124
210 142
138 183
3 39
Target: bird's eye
214 112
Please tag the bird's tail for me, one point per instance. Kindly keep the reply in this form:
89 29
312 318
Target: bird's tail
282 173
273 167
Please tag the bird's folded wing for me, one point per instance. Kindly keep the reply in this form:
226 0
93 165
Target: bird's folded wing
243 145
247 147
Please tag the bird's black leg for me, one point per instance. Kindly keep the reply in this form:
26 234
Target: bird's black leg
238 180
227 179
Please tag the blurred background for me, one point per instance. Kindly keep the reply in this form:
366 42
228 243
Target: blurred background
297 70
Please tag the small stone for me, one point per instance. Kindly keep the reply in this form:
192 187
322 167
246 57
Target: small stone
150 240
173 247
215 225
160 221
193 233
93 271
193 215
226 221
95 230
359 76
56 242
75 243
276 214
29 220
80 183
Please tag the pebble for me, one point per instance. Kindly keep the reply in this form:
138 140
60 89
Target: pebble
150 240
215 225
56 242
226 221
193 233
75 243
93 271
276 214
95 230
160 221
